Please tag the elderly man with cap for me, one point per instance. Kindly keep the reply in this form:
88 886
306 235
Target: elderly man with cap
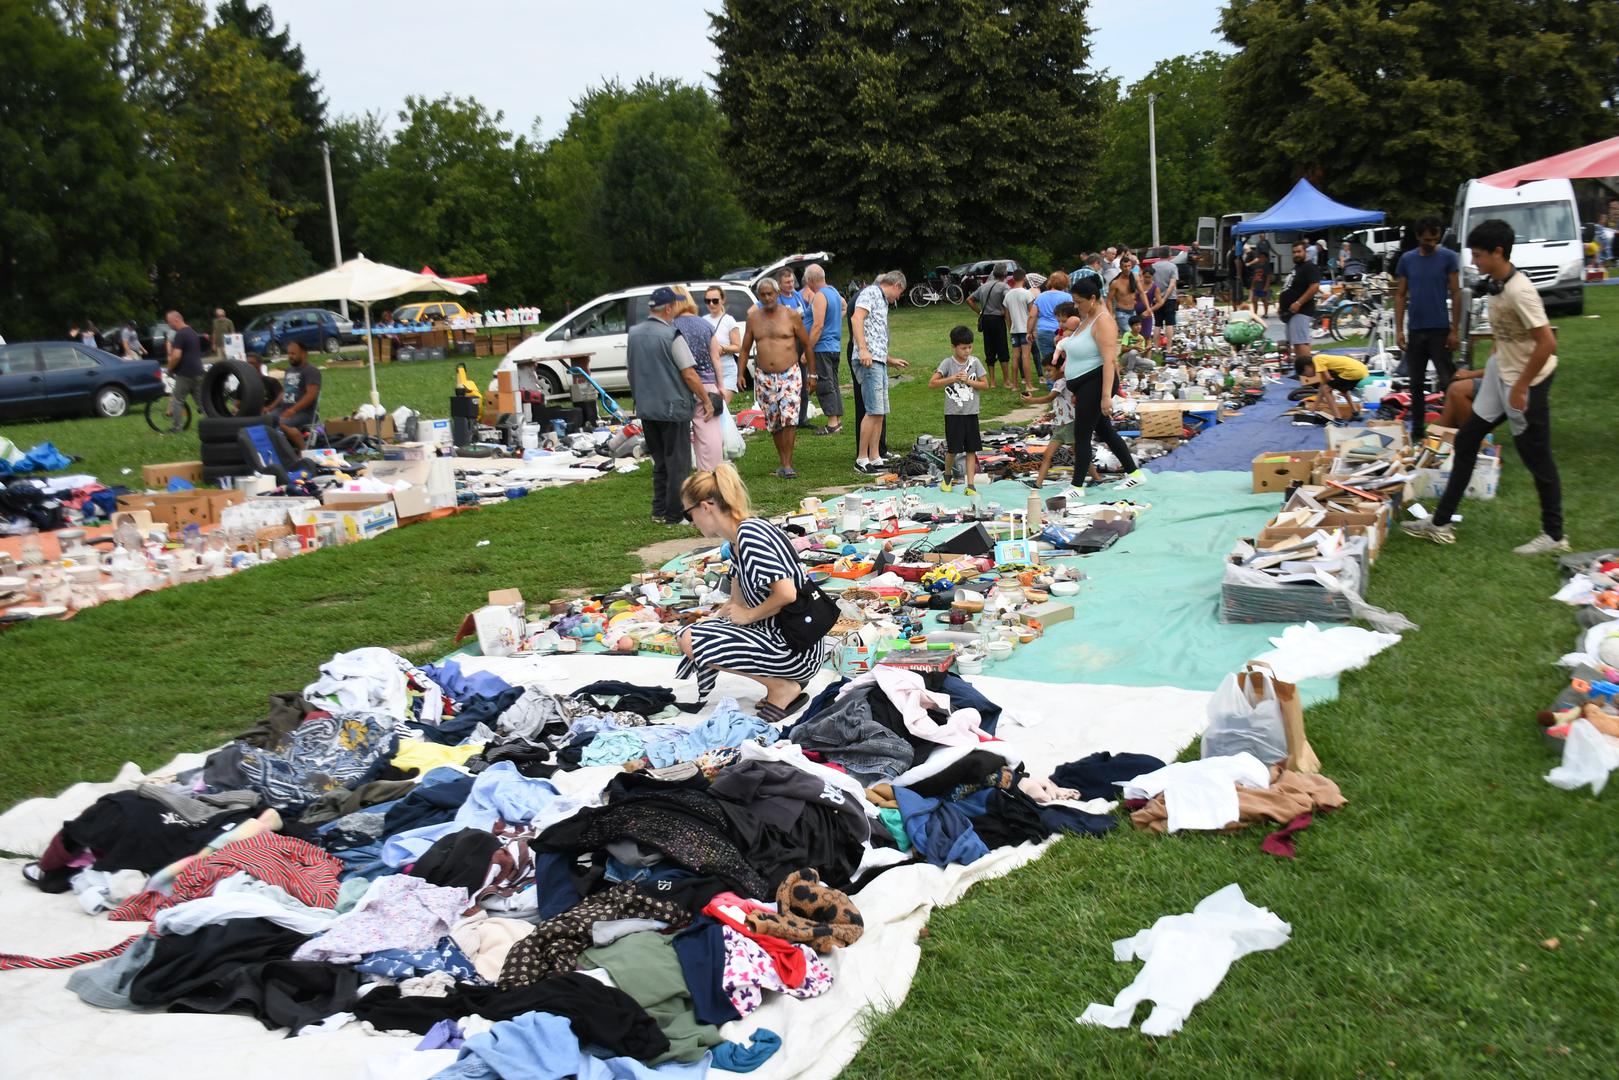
663 379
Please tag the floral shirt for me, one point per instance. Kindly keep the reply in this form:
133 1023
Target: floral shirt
749 971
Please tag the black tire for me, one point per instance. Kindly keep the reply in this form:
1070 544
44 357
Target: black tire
953 293
1385 411
331 344
218 428
232 388
157 416
550 383
272 349
920 296
215 472
1351 320
222 453
111 401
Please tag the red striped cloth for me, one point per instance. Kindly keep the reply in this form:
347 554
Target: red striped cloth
10 961
306 872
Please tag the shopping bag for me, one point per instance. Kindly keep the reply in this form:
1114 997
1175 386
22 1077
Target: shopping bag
1300 755
1245 716
735 445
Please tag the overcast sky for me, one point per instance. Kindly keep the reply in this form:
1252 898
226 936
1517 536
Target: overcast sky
531 58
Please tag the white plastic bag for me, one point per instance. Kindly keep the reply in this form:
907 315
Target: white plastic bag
1238 724
735 446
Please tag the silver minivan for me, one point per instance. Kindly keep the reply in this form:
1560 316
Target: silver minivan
600 329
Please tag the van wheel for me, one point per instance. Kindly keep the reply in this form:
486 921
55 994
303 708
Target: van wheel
551 383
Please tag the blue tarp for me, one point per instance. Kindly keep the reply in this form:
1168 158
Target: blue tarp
43 458
1306 208
1255 430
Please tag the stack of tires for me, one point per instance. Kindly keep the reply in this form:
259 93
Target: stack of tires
233 395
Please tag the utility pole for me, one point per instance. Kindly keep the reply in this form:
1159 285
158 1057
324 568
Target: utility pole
1152 164
337 245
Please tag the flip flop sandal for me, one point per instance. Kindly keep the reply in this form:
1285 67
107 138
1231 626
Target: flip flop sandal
772 713
829 431
787 474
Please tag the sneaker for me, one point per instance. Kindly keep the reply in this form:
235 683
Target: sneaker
1540 545
1427 530
1135 479
971 492
947 486
1029 481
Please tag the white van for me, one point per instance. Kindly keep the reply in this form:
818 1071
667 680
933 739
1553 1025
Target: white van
1383 241
1546 243
601 328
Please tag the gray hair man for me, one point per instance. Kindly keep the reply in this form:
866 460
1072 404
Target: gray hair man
826 343
664 381
869 325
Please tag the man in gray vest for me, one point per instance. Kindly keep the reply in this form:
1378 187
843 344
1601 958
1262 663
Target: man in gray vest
663 379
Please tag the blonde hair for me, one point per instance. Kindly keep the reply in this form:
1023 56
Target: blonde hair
685 305
723 486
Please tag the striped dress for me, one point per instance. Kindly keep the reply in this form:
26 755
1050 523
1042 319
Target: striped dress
763 557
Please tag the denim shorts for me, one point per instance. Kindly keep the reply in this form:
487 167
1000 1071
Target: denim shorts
1298 330
1019 340
873 382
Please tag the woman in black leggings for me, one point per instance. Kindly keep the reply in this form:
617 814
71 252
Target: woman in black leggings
1089 356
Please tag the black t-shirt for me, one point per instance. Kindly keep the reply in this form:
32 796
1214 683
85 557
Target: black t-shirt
296 381
190 345
1303 276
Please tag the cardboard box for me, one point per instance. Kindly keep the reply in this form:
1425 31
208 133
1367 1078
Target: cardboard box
512 598
1279 470
339 428
508 401
218 500
157 477
360 517
436 432
1047 614
500 629
141 519
176 510
415 499
506 381
1160 419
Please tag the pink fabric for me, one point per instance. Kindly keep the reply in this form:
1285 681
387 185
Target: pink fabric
913 700
1281 842
708 437
749 971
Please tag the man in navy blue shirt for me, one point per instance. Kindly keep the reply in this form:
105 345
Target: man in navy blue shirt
1424 278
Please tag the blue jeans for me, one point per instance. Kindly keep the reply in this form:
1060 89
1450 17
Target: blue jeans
1045 345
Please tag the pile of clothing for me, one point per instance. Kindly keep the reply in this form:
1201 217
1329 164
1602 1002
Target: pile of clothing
517 875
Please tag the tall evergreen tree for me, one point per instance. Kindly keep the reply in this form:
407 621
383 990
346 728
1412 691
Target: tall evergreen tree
1393 103
905 129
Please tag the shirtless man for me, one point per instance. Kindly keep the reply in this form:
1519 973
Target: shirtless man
1121 293
779 333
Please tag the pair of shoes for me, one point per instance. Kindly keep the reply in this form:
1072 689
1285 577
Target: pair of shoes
1427 530
947 486
775 714
971 492
830 430
1135 479
787 473
1541 545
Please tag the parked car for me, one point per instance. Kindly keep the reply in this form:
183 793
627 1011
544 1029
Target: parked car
435 311
53 378
317 329
600 329
156 340
973 274
741 273
1381 242
798 262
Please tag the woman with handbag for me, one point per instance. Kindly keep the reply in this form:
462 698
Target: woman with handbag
768 587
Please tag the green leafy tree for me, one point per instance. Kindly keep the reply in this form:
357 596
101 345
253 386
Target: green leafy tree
636 191
1192 180
917 131
81 211
1392 103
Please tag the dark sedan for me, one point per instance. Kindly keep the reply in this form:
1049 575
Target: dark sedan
52 378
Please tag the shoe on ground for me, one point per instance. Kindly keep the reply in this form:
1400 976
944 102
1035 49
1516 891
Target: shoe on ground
971 492
1541 545
947 486
1135 479
1427 530
787 473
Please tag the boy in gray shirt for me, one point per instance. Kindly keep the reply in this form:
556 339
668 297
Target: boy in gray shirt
961 376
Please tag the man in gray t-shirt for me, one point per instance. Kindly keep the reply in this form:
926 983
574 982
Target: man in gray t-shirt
1019 303
990 302
663 379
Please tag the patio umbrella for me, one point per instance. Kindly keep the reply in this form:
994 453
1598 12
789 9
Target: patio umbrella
1600 159
360 281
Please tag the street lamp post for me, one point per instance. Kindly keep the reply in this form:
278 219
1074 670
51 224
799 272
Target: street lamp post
1152 161
331 210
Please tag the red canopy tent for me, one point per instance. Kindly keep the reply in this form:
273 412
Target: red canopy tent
470 279
1600 159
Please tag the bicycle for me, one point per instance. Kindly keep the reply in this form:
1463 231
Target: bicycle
158 415
1365 315
939 285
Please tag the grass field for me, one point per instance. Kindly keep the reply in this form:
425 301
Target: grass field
1459 918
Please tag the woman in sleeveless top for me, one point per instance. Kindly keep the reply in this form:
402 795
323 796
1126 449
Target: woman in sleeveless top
1089 357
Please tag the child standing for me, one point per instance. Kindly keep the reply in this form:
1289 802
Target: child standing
1061 400
961 376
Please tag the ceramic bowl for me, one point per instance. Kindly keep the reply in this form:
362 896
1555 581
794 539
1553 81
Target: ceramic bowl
999 650
1064 588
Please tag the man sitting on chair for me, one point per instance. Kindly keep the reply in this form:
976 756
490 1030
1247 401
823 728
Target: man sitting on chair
300 393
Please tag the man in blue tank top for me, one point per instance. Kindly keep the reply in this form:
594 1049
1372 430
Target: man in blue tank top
825 323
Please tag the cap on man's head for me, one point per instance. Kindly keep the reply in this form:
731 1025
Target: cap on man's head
663 295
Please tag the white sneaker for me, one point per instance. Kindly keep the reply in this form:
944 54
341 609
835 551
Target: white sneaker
1427 530
1135 479
1540 545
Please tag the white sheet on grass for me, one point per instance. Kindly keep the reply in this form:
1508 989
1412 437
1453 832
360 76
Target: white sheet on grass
48 1031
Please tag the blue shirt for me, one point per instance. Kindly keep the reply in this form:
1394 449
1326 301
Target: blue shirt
1045 306
1427 287
831 339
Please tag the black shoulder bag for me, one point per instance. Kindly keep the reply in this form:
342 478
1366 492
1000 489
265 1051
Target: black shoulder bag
805 621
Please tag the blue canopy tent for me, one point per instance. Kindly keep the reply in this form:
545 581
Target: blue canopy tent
1304 208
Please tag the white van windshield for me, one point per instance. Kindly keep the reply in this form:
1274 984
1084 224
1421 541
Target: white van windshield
1531 222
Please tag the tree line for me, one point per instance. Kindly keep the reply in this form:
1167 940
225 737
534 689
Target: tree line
158 153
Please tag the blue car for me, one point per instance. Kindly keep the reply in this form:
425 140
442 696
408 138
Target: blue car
317 329
53 378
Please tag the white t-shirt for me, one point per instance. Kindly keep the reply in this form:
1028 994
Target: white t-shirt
723 325
1017 309
1514 316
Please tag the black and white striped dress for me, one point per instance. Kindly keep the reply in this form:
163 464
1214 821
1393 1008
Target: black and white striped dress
763 557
